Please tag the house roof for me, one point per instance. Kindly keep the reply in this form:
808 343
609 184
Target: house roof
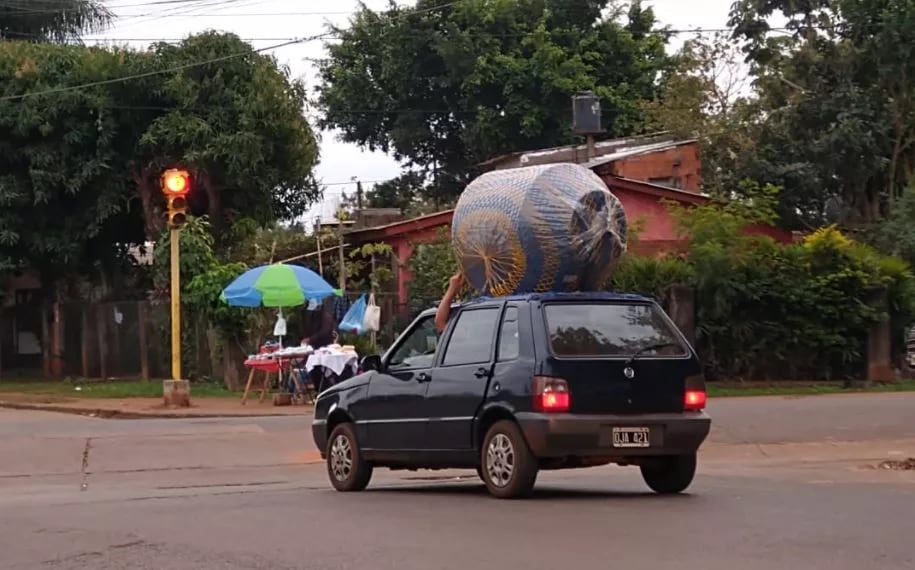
405 226
655 190
443 218
636 150
608 146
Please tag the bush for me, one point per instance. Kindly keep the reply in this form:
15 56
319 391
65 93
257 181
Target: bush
431 264
766 310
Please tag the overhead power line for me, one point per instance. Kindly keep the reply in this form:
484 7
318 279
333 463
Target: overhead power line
153 73
337 36
187 65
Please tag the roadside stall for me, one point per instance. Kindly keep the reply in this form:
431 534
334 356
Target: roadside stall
281 286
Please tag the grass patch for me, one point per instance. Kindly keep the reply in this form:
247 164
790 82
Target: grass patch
108 389
153 388
725 390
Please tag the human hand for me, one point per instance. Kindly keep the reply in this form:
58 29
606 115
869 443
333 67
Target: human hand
455 282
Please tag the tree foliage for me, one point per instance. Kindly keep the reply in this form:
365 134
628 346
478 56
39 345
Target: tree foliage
237 123
446 88
80 164
897 234
837 103
65 199
52 20
431 265
706 96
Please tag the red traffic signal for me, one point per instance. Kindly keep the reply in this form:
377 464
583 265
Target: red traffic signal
176 182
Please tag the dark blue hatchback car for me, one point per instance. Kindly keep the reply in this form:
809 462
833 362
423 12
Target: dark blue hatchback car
519 384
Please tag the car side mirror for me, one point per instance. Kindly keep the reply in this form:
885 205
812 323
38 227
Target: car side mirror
371 362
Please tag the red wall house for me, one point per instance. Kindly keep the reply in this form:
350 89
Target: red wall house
642 202
676 167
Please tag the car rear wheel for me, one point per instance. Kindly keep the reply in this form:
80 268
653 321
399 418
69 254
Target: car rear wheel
508 468
670 475
347 469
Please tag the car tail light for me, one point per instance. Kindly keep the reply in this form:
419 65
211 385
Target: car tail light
694 400
551 394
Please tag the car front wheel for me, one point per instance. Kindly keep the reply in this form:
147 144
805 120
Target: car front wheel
508 468
670 475
347 469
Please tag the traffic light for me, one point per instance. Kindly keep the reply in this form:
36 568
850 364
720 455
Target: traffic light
176 184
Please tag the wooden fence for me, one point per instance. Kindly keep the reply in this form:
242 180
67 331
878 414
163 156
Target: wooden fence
131 339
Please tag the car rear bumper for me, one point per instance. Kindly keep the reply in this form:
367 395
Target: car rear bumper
573 435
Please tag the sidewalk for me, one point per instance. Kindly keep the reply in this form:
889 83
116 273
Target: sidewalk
208 407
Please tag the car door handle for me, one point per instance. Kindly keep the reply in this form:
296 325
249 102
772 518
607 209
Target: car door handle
423 377
482 373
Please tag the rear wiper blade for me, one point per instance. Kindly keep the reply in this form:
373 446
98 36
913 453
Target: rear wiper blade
645 349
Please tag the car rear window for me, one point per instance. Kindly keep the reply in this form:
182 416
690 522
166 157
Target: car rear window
610 329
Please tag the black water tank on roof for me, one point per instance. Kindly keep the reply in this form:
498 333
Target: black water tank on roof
586 113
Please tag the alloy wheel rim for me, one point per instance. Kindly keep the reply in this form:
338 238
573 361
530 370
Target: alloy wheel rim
500 460
341 458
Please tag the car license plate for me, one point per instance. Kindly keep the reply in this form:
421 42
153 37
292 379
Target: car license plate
631 437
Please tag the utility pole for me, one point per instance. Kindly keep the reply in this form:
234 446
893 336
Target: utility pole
373 281
342 280
359 195
318 239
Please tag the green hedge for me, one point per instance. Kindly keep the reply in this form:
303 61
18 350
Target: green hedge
766 310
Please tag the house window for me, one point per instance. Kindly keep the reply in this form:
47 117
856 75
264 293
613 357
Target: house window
669 181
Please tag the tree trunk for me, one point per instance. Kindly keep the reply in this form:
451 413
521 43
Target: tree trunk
143 328
101 327
152 213
214 204
45 341
57 337
233 364
214 349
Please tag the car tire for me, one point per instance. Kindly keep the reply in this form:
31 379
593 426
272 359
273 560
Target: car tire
671 474
347 469
507 466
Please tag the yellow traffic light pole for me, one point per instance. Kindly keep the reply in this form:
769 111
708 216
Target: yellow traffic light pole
175 244
175 186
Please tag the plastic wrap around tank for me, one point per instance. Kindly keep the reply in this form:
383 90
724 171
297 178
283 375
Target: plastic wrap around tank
543 228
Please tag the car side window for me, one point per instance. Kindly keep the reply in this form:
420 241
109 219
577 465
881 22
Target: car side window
471 339
509 343
418 349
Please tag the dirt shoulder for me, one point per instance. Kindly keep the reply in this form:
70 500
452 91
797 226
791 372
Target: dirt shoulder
149 407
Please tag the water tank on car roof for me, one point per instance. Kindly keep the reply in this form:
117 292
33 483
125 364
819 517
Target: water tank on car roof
586 113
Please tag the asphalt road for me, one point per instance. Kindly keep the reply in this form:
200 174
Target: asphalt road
782 485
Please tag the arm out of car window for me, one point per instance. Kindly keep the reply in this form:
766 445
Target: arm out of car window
444 307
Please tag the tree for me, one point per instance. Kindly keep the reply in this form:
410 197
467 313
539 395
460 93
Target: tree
446 86
838 105
896 235
64 195
431 264
82 155
237 123
52 20
400 192
705 96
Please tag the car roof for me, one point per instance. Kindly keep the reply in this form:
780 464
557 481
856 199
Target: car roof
567 297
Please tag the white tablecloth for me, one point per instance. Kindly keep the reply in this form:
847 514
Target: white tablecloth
294 352
335 362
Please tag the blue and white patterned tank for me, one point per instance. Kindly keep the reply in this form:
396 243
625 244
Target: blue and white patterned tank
539 228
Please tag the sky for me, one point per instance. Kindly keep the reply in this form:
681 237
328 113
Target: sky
267 22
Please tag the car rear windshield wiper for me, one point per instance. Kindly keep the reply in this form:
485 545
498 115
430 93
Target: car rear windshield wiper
645 349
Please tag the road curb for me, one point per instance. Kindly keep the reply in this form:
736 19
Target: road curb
107 413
